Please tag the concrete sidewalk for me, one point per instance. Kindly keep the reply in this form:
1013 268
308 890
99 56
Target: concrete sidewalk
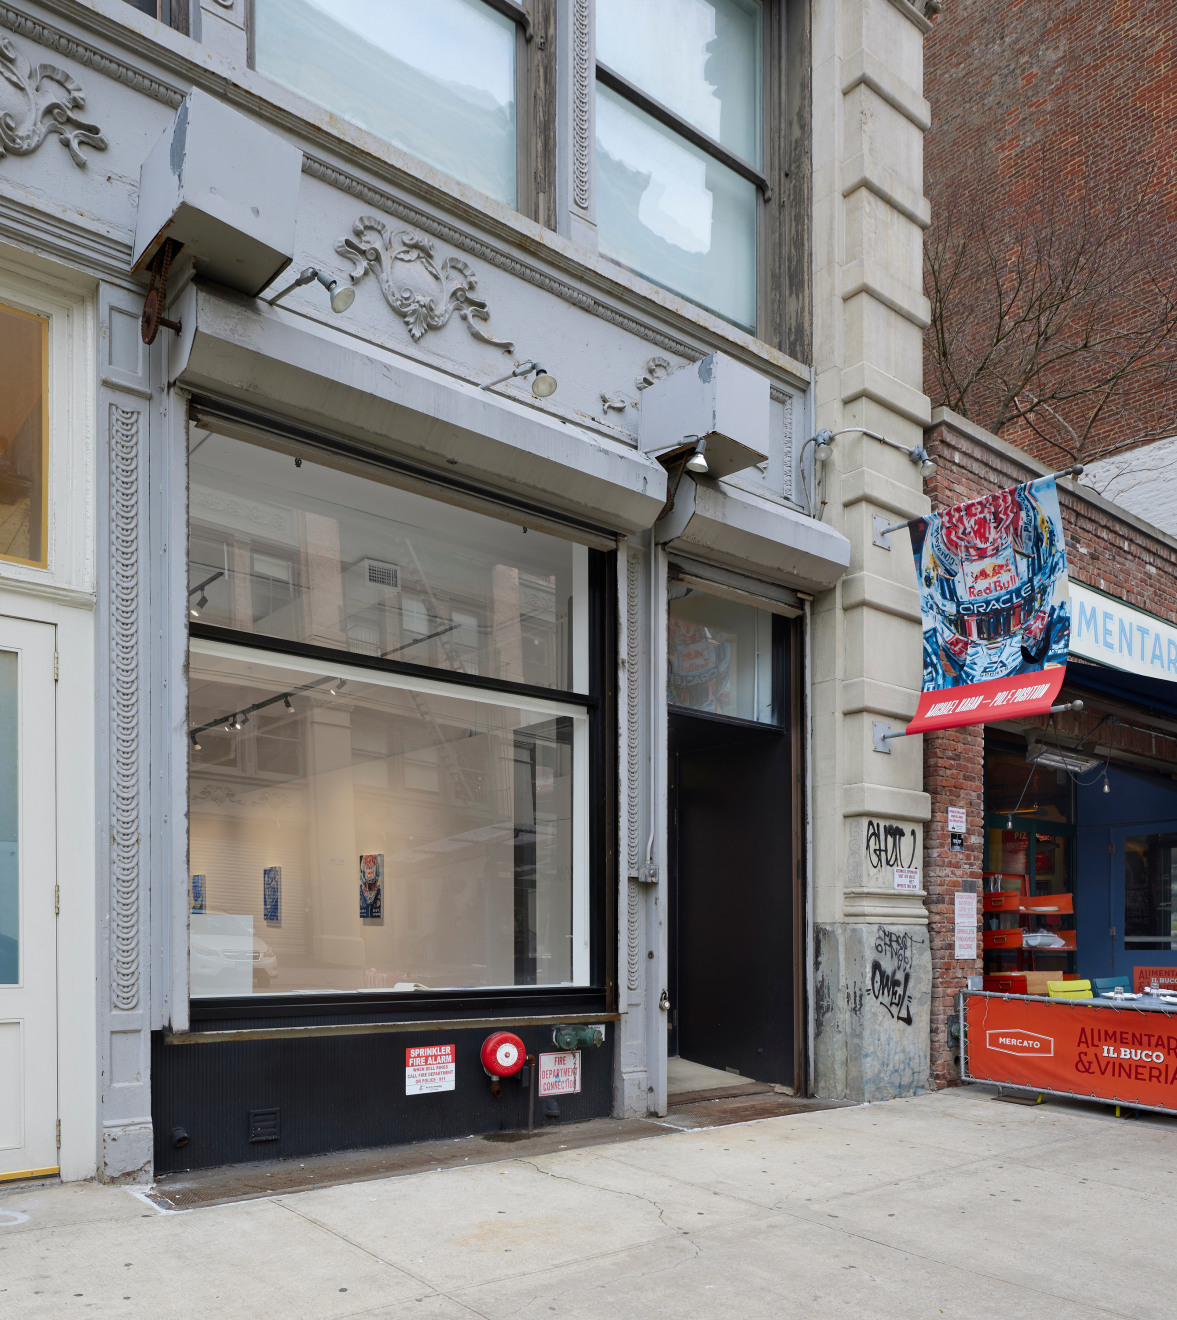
951 1204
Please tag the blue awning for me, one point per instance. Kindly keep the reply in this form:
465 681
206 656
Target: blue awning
1155 694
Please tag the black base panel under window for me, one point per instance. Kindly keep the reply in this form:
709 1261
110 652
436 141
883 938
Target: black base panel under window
339 1093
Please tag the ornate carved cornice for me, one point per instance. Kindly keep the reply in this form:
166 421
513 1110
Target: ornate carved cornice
80 51
430 224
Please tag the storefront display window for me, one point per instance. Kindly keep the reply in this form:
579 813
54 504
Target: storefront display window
297 549
24 395
720 657
389 775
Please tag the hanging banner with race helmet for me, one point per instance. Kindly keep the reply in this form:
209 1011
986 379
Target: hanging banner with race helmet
993 594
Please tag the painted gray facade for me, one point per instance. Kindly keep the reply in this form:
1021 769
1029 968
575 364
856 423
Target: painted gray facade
400 373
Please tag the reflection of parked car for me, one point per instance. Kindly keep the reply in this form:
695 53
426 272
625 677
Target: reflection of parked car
220 943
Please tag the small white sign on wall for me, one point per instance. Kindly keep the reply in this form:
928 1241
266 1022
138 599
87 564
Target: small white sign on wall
559 1074
907 878
956 820
966 925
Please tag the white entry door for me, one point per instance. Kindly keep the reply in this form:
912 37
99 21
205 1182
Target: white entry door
28 883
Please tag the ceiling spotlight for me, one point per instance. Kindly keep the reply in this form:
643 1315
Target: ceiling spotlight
287 703
233 722
342 295
543 387
918 454
697 463
195 742
337 687
194 610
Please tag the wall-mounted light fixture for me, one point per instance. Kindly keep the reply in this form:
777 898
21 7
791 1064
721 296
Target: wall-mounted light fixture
543 386
823 451
697 463
342 295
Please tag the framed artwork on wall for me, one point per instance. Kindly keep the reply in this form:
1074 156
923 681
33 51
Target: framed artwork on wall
371 885
272 894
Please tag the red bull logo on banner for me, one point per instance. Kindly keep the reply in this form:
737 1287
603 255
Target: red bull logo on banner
993 595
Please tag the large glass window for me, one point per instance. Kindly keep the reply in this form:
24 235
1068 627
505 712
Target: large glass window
298 549
24 397
680 153
389 736
437 80
720 657
1150 887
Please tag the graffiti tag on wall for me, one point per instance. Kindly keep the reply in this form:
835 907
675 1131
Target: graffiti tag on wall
887 845
890 972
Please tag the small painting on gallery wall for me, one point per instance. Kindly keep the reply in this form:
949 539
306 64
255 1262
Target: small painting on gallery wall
272 894
371 885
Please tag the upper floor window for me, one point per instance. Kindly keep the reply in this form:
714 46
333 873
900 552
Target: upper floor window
172 12
680 145
436 80
24 451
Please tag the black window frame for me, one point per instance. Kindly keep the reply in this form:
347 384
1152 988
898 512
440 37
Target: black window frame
352 1008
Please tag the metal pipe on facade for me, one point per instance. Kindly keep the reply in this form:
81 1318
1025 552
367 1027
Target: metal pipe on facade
810 943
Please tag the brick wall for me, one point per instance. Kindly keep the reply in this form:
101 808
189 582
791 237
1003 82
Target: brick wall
1028 97
1106 550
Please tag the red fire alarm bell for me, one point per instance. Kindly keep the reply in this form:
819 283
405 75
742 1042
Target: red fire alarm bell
503 1054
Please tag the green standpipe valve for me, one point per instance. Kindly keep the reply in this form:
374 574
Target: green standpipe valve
578 1038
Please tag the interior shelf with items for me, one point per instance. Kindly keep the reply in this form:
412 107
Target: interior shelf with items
1028 905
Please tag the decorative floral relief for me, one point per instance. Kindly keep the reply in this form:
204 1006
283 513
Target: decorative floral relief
657 368
42 101
375 249
616 403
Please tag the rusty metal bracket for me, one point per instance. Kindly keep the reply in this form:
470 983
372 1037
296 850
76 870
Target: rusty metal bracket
156 300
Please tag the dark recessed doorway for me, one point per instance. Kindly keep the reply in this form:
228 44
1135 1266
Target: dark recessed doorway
734 904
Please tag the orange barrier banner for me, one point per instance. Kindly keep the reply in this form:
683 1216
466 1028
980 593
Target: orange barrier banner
1076 1047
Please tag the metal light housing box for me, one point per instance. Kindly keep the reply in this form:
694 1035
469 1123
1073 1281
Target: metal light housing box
718 400
226 189
1060 758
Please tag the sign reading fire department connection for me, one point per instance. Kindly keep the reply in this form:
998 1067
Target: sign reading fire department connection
993 595
1122 1055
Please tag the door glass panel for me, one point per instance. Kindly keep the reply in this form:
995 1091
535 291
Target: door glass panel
1150 885
24 359
719 657
9 818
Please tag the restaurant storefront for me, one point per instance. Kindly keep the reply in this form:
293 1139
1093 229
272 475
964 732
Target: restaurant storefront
1072 830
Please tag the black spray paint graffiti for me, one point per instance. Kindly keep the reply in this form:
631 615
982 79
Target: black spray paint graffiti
890 973
884 845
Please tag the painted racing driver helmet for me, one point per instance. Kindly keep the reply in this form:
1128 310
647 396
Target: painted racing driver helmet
988 572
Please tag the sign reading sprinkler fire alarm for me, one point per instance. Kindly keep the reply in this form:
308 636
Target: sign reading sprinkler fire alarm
429 1068
559 1074
907 878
